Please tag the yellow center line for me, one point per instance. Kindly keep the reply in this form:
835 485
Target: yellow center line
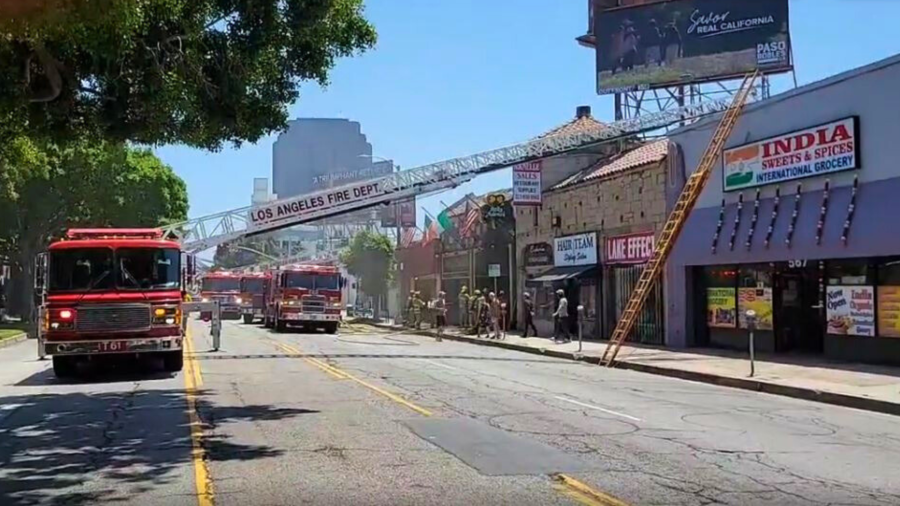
583 493
192 380
341 374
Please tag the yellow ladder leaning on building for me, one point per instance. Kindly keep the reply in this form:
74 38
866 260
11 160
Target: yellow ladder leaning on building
680 212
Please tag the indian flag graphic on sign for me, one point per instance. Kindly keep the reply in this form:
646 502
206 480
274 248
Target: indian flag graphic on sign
740 166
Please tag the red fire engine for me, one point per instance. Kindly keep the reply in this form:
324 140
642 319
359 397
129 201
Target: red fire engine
224 287
304 295
111 291
253 295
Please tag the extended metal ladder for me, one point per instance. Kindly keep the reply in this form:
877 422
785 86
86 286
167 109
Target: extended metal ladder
678 216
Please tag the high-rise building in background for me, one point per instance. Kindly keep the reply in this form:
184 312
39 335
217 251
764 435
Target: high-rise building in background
317 153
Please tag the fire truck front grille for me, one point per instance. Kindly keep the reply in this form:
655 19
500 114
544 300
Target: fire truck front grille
124 317
312 304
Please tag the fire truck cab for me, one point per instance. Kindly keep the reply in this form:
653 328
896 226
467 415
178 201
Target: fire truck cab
111 292
307 296
224 287
254 286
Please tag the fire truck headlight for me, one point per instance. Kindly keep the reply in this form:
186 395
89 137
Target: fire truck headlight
61 319
204 299
165 315
238 300
335 305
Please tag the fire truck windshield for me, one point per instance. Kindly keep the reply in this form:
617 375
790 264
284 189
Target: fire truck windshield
252 285
91 269
148 268
311 281
221 284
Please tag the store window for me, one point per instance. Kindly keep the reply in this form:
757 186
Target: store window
850 298
755 293
721 296
889 298
849 272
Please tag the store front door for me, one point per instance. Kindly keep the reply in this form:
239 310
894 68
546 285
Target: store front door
798 325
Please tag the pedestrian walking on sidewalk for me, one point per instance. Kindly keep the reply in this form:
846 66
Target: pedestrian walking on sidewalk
476 305
463 307
561 318
440 314
504 318
528 304
494 315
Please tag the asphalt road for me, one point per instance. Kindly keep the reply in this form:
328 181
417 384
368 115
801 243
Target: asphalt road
372 417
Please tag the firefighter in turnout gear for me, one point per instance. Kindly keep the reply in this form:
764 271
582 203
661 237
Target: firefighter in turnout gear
463 307
417 306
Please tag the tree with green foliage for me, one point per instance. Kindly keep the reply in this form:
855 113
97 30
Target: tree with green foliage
194 72
370 257
46 189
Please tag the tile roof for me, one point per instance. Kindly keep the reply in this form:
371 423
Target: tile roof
648 153
584 123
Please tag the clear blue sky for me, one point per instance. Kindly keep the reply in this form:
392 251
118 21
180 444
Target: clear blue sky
454 77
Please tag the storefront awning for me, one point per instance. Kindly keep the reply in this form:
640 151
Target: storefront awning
558 274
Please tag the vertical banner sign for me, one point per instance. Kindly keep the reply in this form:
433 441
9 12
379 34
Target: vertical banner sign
527 183
889 311
721 307
851 310
407 216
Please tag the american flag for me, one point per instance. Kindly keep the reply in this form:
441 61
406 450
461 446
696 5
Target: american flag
473 218
407 237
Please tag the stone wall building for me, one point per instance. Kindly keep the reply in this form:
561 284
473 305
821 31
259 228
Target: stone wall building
592 235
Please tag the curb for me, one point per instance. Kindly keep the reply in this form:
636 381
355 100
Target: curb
807 394
9 341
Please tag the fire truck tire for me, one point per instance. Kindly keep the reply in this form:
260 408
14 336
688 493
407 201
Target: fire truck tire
248 319
331 328
280 325
173 361
64 367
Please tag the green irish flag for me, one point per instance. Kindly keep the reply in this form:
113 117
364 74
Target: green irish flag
443 221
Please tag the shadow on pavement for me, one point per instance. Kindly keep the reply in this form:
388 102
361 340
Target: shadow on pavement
123 443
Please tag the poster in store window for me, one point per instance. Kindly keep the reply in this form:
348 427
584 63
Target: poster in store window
721 308
889 311
760 301
851 310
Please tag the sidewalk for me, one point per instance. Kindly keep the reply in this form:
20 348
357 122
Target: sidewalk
868 387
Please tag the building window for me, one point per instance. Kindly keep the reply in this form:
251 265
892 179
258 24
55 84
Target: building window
755 293
849 273
889 298
721 296
850 298
534 215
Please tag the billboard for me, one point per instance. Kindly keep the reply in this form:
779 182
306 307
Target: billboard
818 150
689 41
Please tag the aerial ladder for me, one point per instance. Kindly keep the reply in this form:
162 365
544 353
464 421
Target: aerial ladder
206 232
680 212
